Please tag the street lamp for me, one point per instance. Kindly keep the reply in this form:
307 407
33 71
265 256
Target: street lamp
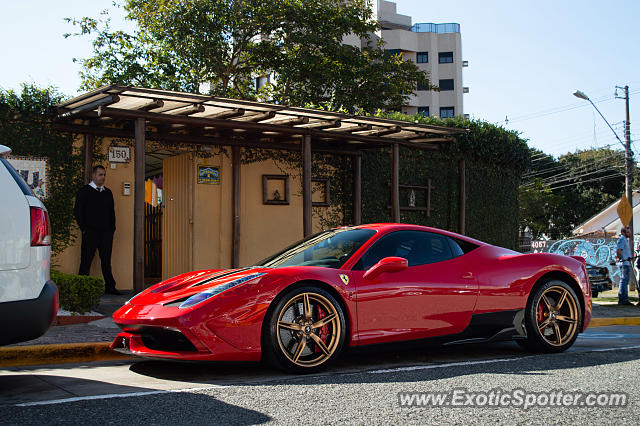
627 149
582 95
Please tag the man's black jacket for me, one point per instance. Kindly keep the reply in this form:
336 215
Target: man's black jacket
94 210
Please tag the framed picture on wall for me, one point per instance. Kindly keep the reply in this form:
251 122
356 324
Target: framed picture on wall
275 189
320 196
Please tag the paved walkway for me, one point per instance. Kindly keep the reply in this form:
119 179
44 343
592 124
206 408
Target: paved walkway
103 330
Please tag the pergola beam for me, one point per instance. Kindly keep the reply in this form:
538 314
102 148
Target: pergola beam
154 104
238 112
290 121
107 100
395 183
307 210
331 124
357 190
256 118
138 206
382 132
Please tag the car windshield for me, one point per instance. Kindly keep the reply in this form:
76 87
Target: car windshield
329 249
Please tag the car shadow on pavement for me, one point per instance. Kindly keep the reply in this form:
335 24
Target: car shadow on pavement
357 365
168 407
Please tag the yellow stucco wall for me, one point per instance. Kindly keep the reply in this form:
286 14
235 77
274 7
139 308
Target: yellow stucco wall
264 229
122 257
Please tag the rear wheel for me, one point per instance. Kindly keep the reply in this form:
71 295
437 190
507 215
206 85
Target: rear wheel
305 331
553 318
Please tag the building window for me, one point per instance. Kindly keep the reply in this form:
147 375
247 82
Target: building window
445 57
423 85
423 111
393 52
447 112
422 57
446 84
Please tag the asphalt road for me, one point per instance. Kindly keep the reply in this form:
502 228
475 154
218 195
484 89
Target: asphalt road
362 388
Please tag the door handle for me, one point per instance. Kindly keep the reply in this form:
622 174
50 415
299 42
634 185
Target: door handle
467 276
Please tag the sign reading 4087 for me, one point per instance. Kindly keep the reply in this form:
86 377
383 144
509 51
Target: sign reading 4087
119 154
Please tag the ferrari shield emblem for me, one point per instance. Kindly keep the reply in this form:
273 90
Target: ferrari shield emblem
345 279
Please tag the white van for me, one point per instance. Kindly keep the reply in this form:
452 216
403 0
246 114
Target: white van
28 298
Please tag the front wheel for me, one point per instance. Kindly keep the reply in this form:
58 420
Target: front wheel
553 318
305 330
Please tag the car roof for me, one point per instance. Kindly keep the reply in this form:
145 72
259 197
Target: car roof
388 227
4 151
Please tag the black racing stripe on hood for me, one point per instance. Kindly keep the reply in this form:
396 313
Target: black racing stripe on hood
215 277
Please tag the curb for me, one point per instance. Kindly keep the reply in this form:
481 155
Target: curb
602 322
16 356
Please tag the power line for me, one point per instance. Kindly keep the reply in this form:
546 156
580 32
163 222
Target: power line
618 175
560 109
557 163
603 164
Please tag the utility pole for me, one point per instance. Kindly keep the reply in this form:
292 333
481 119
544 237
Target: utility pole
627 148
629 160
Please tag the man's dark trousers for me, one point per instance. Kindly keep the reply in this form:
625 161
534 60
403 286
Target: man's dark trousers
102 240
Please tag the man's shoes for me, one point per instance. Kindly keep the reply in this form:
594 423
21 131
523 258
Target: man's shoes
627 303
113 291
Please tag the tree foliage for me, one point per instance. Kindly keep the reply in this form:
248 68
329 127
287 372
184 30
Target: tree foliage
26 129
558 195
228 43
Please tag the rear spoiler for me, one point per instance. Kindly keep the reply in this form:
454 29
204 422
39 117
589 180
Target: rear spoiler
581 259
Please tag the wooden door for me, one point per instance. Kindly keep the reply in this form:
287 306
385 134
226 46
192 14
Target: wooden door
177 221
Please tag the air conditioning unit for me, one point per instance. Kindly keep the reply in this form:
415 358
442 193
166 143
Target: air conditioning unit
465 63
465 90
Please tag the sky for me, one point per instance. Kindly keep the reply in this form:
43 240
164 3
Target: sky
525 60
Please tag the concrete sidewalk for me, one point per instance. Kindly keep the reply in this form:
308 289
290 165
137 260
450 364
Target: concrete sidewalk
90 341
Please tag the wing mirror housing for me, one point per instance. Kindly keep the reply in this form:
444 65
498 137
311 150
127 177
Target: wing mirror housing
388 264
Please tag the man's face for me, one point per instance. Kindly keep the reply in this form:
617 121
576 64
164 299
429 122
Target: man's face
625 232
99 176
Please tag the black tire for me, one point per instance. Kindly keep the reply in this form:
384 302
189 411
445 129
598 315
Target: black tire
552 328
280 344
594 294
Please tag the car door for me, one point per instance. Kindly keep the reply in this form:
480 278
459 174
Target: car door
435 295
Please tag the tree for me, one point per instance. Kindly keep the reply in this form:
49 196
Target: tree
537 205
228 43
581 184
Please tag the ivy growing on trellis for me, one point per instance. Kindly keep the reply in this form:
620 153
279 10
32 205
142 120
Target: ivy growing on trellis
25 127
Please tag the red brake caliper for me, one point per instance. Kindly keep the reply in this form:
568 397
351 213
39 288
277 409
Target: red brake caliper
540 314
321 330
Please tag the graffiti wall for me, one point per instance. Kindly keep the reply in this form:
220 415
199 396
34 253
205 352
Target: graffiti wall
597 251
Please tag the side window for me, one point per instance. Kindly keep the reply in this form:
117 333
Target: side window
418 247
459 247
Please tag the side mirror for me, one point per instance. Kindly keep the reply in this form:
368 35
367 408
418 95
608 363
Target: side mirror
388 264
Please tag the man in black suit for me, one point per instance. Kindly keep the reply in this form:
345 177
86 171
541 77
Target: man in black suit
96 217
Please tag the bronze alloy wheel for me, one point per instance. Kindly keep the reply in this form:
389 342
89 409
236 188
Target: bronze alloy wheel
557 315
309 329
552 318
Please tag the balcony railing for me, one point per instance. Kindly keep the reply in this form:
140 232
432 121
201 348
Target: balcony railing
429 27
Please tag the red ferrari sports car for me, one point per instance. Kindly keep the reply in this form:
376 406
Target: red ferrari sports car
355 286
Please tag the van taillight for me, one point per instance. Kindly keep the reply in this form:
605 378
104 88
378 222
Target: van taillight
40 229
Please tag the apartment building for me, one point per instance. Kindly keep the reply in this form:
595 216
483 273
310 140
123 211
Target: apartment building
435 48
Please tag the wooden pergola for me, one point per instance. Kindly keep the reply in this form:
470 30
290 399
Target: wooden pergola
175 117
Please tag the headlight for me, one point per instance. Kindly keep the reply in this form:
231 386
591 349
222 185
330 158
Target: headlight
202 296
